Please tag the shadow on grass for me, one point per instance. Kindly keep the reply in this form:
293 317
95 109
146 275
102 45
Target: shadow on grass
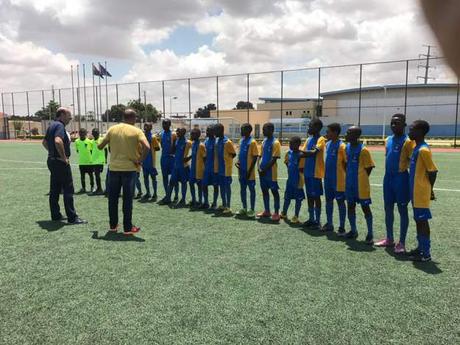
244 218
267 221
332 236
51 225
359 246
313 232
116 237
427 267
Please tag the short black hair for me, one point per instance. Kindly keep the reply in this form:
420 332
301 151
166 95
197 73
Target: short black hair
82 130
270 125
166 121
247 125
317 123
399 116
295 140
218 126
60 112
196 131
95 130
423 125
335 127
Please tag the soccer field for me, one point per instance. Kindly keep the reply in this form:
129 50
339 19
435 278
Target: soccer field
196 278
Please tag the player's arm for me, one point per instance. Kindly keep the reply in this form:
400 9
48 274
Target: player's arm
275 157
369 164
431 169
59 143
255 157
45 144
145 148
104 142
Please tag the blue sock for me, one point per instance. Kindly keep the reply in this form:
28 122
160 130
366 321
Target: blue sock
228 193
252 195
318 215
266 198
370 229
330 211
287 203
311 214
176 190
192 192
276 201
404 219
342 214
154 185
352 220
389 220
243 195
222 194
206 195
184 190
216 195
298 205
425 244
200 194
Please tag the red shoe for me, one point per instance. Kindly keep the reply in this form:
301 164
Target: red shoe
264 214
276 217
114 230
134 230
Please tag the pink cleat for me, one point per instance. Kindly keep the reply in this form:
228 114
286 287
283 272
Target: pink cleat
385 243
400 248
276 217
264 214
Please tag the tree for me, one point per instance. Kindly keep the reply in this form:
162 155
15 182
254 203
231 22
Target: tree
244 105
146 112
17 125
205 112
115 113
49 112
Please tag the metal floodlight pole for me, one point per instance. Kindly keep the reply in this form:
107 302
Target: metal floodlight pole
28 108
78 97
318 105
163 96
12 103
73 91
456 114
217 94
189 105
59 97
406 87
281 107
84 96
106 96
116 92
100 101
247 94
360 93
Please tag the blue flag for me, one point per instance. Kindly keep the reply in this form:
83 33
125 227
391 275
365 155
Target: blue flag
104 71
96 72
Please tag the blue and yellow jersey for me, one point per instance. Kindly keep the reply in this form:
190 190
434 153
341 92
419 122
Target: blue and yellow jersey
358 159
150 160
84 148
248 151
314 165
271 148
198 157
225 154
167 139
334 175
398 151
421 163
182 151
97 156
295 166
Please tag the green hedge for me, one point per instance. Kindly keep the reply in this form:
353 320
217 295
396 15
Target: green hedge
33 137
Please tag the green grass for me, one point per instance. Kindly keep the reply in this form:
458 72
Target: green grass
193 278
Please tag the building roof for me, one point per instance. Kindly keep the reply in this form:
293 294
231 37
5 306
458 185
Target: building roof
390 87
285 100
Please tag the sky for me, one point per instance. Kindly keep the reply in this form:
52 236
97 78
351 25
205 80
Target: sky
145 40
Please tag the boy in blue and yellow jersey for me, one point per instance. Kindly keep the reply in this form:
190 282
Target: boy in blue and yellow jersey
181 171
357 186
210 172
398 150
247 159
313 150
167 140
268 172
84 147
295 181
197 167
422 177
334 178
225 154
149 164
98 159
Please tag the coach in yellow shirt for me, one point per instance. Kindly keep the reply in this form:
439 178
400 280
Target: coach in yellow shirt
128 148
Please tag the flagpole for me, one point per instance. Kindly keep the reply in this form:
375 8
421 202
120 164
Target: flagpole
106 96
94 95
78 97
100 100
73 94
84 96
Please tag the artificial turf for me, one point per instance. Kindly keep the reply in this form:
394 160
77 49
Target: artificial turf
196 278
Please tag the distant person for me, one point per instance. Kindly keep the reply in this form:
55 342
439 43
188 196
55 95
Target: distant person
197 168
357 188
423 173
295 181
84 146
128 148
225 155
210 177
268 172
57 143
167 140
99 160
398 151
247 160
149 164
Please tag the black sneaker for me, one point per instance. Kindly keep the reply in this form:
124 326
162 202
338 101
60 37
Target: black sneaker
145 198
341 232
420 257
164 201
311 224
414 252
327 228
82 191
154 198
176 199
138 196
369 240
59 219
204 207
78 221
351 235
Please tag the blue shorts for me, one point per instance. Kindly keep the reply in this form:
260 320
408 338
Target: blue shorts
180 175
332 194
313 187
247 183
422 214
210 178
225 180
353 199
167 165
294 193
268 184
151 171
396 188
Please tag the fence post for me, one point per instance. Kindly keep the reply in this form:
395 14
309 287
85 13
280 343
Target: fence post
12 102
281 107
360 92
217 94
456 114
28 108
5 119
189 106
247 92
163 95
116 92
319 105
59 96
406 87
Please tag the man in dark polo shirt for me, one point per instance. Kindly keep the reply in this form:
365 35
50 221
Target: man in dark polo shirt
57 143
